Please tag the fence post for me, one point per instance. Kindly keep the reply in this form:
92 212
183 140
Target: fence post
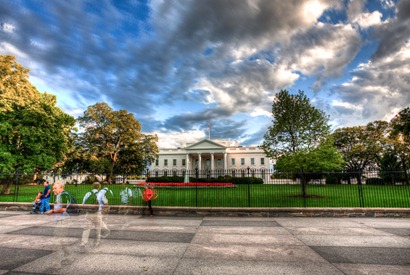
249 192
304 183
196 187
16 186
359 186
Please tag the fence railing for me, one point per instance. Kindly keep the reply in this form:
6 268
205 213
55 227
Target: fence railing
234 188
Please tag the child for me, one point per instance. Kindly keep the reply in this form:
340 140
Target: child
37 203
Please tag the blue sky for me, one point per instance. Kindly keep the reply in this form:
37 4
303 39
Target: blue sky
181 65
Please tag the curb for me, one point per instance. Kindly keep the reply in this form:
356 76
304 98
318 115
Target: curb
235 211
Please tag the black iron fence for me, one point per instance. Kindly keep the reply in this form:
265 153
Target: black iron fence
232 188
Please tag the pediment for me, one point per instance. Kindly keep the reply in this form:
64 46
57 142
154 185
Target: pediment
205 144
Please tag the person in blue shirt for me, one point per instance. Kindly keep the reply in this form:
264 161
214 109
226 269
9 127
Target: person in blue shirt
45 199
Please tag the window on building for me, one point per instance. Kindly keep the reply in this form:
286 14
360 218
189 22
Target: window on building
233 173
262 161
183 162
218 162
174 173
233 161
208 163
165 162
165 173
156 162
252 161
242 161
156 173
174 162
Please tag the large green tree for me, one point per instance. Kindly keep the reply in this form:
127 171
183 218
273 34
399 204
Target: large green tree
296 125
361 145
34 132
299 138
400 138
112 141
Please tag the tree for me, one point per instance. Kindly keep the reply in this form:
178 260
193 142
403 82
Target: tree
361 145
298 136
109 138
400 138
137 157
401 124
325 157
296 125
34 133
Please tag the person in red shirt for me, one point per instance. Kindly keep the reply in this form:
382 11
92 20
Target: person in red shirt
148 196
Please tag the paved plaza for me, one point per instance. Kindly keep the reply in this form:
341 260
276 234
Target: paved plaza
207 245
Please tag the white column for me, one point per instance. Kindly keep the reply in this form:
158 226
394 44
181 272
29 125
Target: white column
225 161
212 164
187 162
199 161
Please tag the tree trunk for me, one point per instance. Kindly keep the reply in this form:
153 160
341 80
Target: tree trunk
405 171
6 189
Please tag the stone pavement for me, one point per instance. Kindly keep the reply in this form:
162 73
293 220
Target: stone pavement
208 245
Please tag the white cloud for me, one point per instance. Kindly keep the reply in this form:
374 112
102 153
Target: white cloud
378 90
323 52
8 28
260 112
312 10
366 20
11 49
346 105
174 139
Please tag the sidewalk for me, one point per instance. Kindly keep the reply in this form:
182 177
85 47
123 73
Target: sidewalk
209 245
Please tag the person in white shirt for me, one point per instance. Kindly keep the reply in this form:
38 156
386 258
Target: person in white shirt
94 216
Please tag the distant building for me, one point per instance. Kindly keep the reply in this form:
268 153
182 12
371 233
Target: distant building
209 158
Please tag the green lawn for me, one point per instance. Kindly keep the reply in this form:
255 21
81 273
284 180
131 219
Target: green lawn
267 195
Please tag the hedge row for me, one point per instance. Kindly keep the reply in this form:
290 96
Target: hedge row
234 180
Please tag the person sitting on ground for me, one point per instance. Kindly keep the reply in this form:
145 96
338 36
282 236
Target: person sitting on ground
36 204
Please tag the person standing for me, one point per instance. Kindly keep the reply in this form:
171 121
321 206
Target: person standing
45 199
94 215
61 217
148 196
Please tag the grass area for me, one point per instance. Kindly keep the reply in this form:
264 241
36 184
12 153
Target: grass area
266 195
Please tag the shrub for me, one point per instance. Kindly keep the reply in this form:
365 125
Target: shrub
375 181
245 180
165 179
89 180
332 180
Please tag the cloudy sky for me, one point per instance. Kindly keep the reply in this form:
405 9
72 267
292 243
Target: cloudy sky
182 65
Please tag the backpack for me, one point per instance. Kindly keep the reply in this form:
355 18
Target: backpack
126 194
94 201
72 205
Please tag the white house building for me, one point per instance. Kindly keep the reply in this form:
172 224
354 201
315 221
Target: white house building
210 158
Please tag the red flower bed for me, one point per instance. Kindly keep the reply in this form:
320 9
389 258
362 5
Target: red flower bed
188 184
